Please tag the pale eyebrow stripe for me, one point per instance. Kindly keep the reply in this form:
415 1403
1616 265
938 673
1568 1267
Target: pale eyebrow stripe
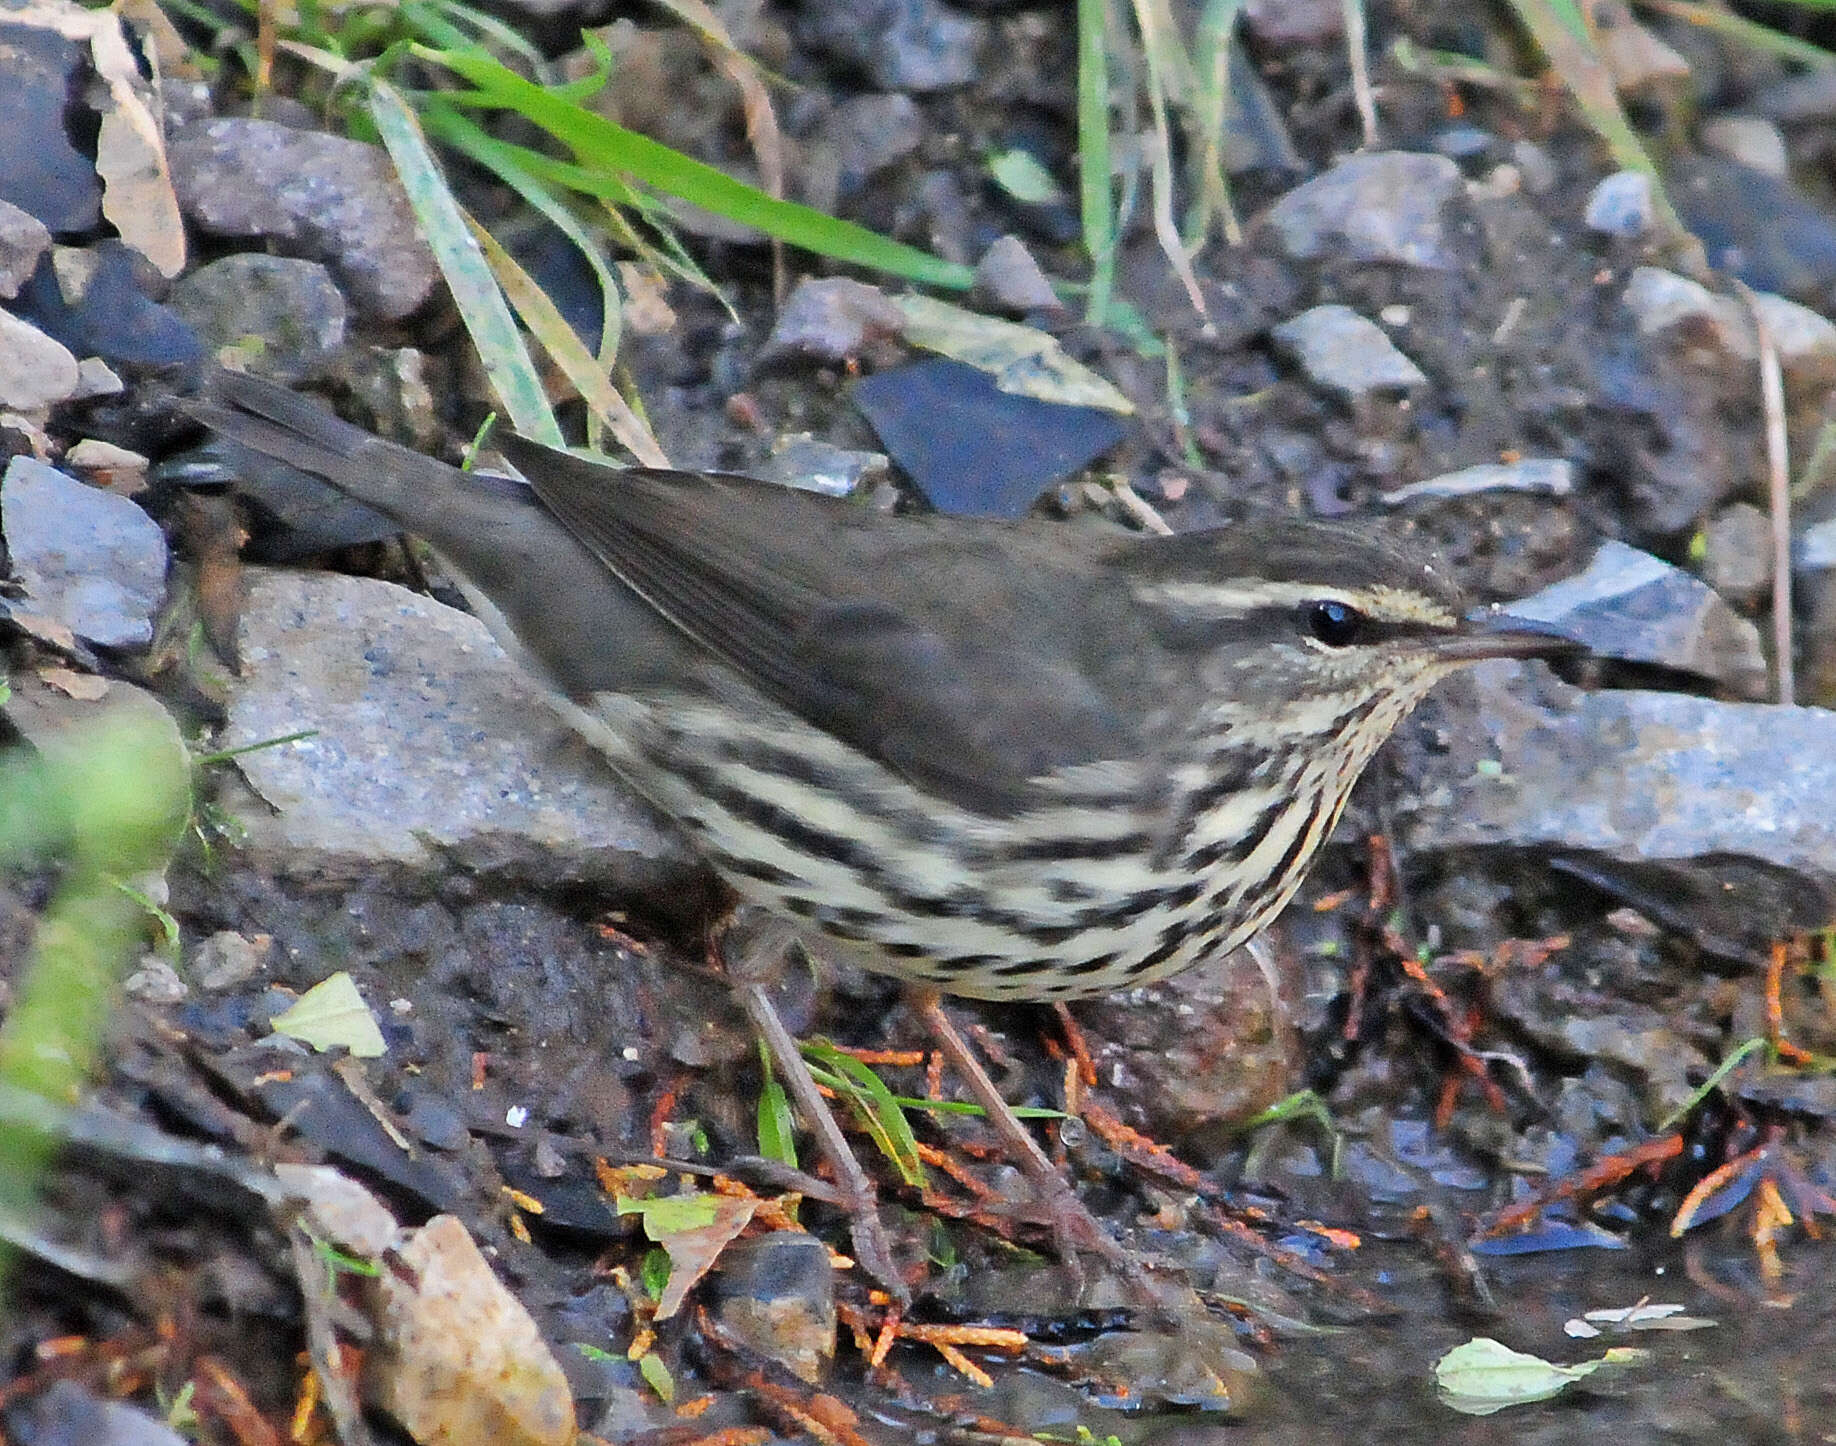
1224 600
1227 600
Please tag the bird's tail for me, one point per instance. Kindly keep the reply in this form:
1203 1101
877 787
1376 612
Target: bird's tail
271 421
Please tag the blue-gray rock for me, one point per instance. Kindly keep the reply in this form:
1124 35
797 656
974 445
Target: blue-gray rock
1383 206
42 170
66 1413
1771 235
1815 550
285 316
1712 816
319 196
1630 605
915 45
1347 354
430 749
970 447
1622 204
89 298
93 561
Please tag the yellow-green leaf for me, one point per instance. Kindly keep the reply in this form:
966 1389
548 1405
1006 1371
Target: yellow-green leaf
332 1013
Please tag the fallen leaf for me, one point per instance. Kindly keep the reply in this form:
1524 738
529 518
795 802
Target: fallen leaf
332 1013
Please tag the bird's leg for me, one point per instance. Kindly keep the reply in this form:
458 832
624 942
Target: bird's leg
749 968
1074 1226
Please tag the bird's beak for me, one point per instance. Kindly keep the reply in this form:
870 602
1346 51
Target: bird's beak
1493 633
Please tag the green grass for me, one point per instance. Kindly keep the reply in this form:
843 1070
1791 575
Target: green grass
104 805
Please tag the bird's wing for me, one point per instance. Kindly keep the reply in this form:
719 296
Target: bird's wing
933 669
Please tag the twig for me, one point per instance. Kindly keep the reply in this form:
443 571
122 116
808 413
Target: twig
1778 487
1357 51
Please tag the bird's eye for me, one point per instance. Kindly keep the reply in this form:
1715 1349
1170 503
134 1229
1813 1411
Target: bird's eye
1334 623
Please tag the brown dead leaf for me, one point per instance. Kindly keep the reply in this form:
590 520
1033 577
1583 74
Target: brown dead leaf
84 687
137 193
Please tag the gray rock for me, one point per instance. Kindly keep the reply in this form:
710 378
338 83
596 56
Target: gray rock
96 378
1280 24
818 466
23 240
93 561
831 320
1816 548
69 1414
1622 204
777 1294
227 958
1750 139
867 134
283 315
915 45
1346 353
1639 61
321 196
1534 167
1009 279
1737 553
1465 142
1257 133
1763 230
1385 206
1549 476
155 981
943 208
1636 607
35 371
432 749
1722 809
1661 302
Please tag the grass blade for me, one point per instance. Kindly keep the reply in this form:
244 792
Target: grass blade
468 276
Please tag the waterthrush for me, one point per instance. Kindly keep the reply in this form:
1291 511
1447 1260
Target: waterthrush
1004 760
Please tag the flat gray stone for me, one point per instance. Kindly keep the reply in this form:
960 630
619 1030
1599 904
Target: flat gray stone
1720 812
1550 476
36 371
284 315
90 559
319 196
1622 204
23 239
432 749
1638 608
1383 206
1347 354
